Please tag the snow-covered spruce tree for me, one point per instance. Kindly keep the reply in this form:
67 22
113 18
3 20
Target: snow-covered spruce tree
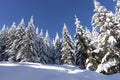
81 44
113 59
37 45
105 52
53 51
8 56
117 25
3 39
29 52
67 48
98 21
57 48
116 68
16 46
20 33
42 55
49 48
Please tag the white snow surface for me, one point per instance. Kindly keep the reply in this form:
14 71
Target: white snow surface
112 40
105 66
36 71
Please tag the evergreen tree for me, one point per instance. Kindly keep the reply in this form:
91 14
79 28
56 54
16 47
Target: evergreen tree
9 56
47 40
67 48
106 40
117 25
57 45
16 46
3 39
99 21
81 44
20 33
49 48
29 51
43 56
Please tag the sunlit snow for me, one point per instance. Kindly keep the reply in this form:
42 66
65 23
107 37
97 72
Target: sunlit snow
36 71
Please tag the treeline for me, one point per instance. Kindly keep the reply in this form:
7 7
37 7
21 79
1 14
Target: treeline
98 50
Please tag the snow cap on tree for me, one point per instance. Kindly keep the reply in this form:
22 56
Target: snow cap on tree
31 19
79 28
57 37
65 28
31 23
41 34
4 32
118 7
47 34
37 30
30 27
77 22
13 27
47 39
3 28
22 24
14 24
65 31
98 6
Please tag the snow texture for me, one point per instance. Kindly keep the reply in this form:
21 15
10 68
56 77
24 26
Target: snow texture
105 66
112 40
36 71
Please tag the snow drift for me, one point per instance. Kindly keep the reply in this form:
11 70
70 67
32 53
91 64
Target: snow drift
36 71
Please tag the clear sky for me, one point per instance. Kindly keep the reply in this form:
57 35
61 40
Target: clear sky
50 14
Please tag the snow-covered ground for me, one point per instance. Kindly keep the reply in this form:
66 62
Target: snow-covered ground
35 71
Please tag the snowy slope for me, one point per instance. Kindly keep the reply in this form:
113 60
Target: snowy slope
35 71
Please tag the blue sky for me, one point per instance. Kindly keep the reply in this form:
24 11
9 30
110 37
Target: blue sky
50 14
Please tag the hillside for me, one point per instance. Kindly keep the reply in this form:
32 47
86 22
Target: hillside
36 71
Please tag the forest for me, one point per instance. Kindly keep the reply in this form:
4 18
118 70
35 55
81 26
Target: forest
97 50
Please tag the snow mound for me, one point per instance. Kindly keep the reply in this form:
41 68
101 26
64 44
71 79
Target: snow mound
105 66
36 71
